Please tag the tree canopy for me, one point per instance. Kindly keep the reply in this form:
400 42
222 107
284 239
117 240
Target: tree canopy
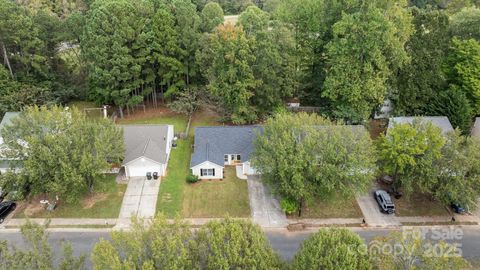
305 156
223 244
62 152
333 248
408 153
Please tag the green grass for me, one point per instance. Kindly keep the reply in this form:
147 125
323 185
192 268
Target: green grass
179 122
82 105
170 197
217 198
335 207
108 207
419 205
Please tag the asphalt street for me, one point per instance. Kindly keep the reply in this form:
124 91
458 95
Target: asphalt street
285 243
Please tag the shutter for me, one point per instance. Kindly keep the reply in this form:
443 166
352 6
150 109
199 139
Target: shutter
213 172
201 172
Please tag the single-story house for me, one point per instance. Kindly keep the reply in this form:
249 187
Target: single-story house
6 163
439 121
476 128
147 149
216 147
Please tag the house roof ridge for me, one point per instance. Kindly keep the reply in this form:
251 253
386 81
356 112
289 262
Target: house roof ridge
146 145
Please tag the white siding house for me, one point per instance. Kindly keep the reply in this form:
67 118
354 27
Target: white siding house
208 170
147 149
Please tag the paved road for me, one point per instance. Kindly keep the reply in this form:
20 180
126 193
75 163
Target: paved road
266 210
285 243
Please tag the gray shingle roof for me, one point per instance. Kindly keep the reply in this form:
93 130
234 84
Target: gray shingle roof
148 141
439 121
212 143
476 127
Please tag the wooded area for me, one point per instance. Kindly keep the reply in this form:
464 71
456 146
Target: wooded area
344 58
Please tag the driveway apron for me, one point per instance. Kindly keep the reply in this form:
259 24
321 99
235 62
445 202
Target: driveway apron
372 214
266 210
140 198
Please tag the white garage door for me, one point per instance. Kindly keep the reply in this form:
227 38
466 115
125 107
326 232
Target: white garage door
141 167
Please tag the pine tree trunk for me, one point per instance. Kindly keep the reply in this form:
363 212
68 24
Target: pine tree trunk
300 207
5 59
121 111
188 74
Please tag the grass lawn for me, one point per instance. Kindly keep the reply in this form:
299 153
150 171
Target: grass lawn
419 205
178 121
170 198
217 198
335 207
82 105
105 203
172 190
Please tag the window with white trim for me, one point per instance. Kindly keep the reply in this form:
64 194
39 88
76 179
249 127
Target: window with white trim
207 172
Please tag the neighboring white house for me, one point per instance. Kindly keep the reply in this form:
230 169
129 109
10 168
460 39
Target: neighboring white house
216 147
147 149
6 163
439 121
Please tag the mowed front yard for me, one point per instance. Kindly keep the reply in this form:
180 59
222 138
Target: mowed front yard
104 203
419 205
334 207
160 116
217 198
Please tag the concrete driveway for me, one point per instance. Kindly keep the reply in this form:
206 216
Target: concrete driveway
372 214
266 210
140 198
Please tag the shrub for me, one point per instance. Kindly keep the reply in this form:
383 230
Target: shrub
289 206
192 179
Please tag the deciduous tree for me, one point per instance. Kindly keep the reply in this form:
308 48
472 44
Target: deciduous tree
232 244
409 250
421 80
305 156
458 174
212 16
63 153
358 65
331 249
226 58
466 23
158 244
408 153
463 69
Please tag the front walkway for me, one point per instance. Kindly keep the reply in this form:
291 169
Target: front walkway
140 198
266 210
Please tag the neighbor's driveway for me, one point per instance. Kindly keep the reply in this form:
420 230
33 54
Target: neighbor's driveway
140 198
372 214
266 210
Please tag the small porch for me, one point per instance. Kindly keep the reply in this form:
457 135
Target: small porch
239 170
